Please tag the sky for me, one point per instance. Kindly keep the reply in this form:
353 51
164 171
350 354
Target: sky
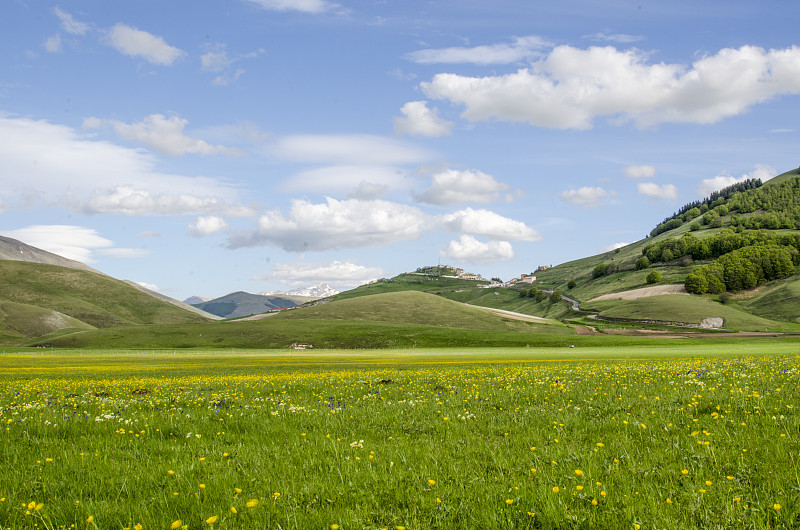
204 147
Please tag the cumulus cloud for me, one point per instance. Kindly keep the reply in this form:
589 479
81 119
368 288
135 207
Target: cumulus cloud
571 87
488 224
458 187
341 275
58 165
587 197
206 225
356 149
72 242
469 250
334 224
419 120
654 191
639 172
306 6
520 49
149 286
162 133
69 24
708 186
137 43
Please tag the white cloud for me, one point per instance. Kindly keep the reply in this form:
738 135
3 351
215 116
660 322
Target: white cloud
521 48
334 224
360 181
639 172
654 191
708 186
69 24
488 224
356 149
587 197
419 120
150 286
341 275
57 165
123 252
129 200
137 43
572 87
162 133
470 250
452 186
207 225
71 242
53 43
614 246
620 38
306 6
215 60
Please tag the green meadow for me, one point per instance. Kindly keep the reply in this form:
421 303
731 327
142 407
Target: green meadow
678 435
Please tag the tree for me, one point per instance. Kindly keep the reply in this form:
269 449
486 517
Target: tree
696 283
599 270
653 277
642 263
555 297
571 284
540 295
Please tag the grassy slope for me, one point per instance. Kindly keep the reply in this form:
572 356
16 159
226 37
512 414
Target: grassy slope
94 299
778 300
403 319
689 309
20 321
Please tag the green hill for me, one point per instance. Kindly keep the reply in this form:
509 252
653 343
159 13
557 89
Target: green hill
37 298
403 319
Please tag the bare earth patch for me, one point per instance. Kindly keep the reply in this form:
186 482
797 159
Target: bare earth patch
644 292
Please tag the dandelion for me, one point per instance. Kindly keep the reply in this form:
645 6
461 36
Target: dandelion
237 490
579 488
276 495
176 524
776 507
38 507
579 472
555 489
431 482
602 493
438 500
90 519
170 472
212 519
509 501
685 472
594 502
233 510
334 527
137 526
669 501
600 444
252 503
729 477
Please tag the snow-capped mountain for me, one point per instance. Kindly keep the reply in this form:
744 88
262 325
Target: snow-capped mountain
321 290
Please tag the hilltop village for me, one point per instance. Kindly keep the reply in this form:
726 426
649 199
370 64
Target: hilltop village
448 271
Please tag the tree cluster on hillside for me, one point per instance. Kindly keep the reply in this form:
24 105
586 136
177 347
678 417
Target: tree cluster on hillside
696 208
717 245
743 268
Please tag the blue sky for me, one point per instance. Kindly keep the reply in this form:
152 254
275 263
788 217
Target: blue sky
203 147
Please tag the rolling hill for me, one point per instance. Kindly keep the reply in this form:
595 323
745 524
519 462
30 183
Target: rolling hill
38 298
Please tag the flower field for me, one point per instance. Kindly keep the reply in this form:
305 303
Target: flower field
263 440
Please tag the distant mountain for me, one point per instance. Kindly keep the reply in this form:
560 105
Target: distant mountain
194 300
321 290
242 304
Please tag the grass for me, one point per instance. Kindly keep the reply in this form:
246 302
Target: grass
94 299
681 437
689 309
